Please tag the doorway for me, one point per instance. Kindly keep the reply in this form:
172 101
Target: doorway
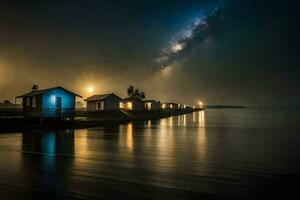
58 106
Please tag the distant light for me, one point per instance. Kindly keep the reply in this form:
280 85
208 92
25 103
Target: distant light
200 104
90 89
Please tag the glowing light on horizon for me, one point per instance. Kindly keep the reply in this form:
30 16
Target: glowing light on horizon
90 89
200 104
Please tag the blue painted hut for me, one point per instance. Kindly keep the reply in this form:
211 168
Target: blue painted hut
51 102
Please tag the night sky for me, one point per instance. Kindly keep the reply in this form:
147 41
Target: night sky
221 52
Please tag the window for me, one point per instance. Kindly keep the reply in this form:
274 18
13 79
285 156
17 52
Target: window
148 106
27 101
33 101
100 105
129 105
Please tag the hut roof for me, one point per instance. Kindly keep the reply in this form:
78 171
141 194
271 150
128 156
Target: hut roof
38 92
131 99
100 97
151 101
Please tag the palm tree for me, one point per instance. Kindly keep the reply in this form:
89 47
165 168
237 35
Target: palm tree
136 93
130 91
142 95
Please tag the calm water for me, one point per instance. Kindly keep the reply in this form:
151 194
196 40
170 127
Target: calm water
212 154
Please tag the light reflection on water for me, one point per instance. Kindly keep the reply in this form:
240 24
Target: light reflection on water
201 119
129 141
175 157
126 136
81 142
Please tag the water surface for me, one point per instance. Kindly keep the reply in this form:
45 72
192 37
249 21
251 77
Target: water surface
212 154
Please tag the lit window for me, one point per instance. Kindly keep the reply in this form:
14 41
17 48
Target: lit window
129 106
53 99
148 106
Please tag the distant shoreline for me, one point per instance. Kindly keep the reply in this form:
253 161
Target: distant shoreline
224 107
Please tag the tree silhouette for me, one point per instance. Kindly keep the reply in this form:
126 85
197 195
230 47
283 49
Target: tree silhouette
35 87
130 91
142 95
136 93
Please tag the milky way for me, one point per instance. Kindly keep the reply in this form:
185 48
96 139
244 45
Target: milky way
199 32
